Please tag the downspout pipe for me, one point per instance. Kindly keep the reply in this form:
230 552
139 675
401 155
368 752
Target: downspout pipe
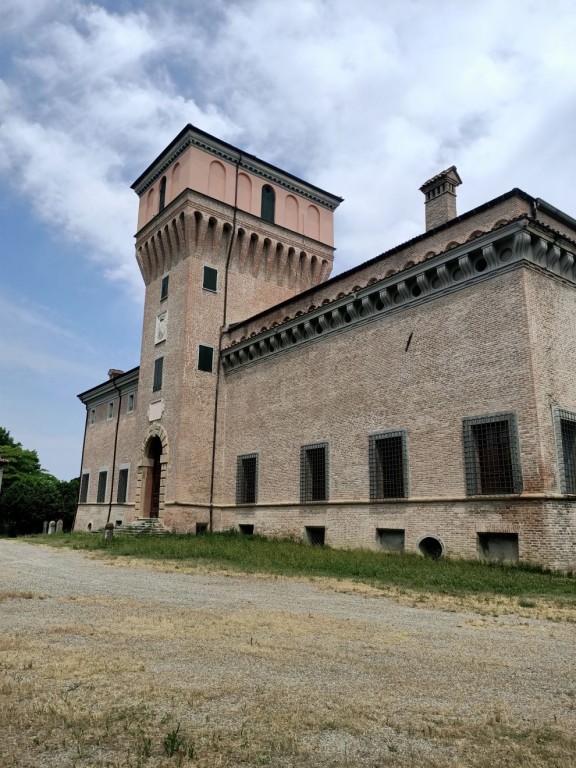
115 445
222 331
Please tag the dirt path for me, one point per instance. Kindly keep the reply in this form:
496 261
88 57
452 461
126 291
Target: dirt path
99 664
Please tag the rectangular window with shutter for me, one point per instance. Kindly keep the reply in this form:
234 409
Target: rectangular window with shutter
164 288
205 357
158 370
84 484
210 280
102 480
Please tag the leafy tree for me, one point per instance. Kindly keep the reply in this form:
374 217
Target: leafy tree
29 501
30 495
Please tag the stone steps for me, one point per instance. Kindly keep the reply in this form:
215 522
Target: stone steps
144 526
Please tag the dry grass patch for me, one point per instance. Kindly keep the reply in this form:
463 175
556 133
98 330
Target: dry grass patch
122 683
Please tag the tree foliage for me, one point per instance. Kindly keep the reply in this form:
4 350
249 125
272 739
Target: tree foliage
29 495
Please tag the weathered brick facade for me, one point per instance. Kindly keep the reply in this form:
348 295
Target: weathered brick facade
460 341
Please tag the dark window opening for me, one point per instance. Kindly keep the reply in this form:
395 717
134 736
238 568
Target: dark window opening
314 472
84 487
247 479
101 493
491 455
162 199
164 287
498 546
316 535
390 539
158 370
388 466
122 486
210 279
118 523
246 529
201 528
268 203
205 356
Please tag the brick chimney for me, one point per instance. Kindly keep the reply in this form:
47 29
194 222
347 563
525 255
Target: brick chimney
440 194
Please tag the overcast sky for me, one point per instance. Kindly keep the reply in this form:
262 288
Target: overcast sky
366 99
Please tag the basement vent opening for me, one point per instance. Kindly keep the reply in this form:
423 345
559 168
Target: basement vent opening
431 546
502 547
316 535
390 539
245 529
201 528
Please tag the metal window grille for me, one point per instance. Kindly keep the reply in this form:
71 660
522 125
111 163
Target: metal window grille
314 472
102 480
122 486
210 280
247 479
565 428
205 355
491 454
84 483
388 465
158 370
164 287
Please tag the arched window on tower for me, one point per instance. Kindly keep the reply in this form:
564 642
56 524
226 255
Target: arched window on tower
162 200
268 203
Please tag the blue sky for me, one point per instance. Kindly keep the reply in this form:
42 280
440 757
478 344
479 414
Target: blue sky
365 99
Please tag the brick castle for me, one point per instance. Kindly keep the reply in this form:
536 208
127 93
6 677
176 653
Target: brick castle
424 400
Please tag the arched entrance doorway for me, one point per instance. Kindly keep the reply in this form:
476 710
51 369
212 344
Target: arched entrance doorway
151 479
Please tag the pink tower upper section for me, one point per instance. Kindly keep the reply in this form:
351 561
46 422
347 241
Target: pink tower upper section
201 162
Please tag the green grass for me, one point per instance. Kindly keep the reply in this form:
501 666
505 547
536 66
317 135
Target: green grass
255 554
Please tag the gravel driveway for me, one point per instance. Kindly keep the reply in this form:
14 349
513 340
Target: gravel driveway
280 668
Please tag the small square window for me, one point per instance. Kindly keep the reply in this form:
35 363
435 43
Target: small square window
491 455
130 406
201 528
122 485
498 546
164 288
158 371
388 465
84 484
390 539
92 417
102 480
247 479
565 429
316 535
314 472
205 355
210 281
110 413
246 529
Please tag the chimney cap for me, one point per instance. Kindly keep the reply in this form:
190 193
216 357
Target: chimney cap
450 174
113 372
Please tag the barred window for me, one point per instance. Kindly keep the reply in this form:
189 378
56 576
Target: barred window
314 472
491 455
102 480
247 479
565 429
388 465
158 370
122 485
84 484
